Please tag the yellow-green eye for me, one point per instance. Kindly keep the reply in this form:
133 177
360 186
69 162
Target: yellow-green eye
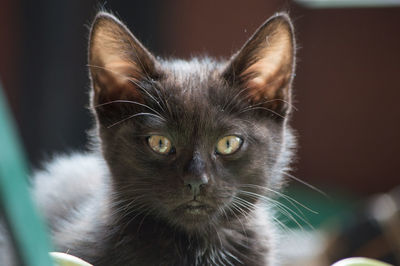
228 145
160 144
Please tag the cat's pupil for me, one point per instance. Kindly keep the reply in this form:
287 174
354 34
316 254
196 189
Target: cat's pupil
160 143
228 143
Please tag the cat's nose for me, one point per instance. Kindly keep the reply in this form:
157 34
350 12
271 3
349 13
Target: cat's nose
195 183
195 177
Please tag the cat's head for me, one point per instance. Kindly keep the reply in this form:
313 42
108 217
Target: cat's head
193 142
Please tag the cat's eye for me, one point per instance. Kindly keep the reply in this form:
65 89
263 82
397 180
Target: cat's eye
160 144
228 145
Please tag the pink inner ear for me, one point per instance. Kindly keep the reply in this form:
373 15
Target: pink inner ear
264 89
117 81
114 61
270 74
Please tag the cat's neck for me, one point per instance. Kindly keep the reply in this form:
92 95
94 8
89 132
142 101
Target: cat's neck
223 244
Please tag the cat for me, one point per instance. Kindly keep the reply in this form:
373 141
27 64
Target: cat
185 154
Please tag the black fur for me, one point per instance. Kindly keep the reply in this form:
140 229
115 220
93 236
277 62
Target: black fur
128 205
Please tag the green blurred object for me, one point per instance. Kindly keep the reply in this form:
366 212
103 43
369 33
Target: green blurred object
63 259
307 209
360 262
26 227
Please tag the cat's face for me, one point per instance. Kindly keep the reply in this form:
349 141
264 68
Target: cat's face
191 141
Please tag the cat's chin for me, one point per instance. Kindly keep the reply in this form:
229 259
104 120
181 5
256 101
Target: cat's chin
193 215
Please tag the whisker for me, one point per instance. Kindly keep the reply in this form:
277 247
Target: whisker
250 206
219 237
262 108
239 220
233 257
132 116
225 107
124 211
306 184
225 258
282 225
143 89
131 102
284 211
138 214
286 197
273 100
278 204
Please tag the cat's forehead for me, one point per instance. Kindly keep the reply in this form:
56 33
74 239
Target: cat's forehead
191 86
195 93
191 75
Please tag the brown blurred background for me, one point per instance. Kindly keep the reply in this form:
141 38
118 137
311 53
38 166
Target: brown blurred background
347 85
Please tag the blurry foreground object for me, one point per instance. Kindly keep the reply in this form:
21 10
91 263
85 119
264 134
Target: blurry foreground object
371 231
360 262
62 259
26 229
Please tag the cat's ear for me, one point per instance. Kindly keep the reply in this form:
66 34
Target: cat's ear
264 67
118 62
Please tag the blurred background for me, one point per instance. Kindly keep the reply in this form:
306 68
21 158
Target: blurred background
347 86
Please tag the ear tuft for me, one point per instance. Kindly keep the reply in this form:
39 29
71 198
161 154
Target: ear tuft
264 66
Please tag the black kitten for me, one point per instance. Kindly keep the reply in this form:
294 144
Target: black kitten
188 152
